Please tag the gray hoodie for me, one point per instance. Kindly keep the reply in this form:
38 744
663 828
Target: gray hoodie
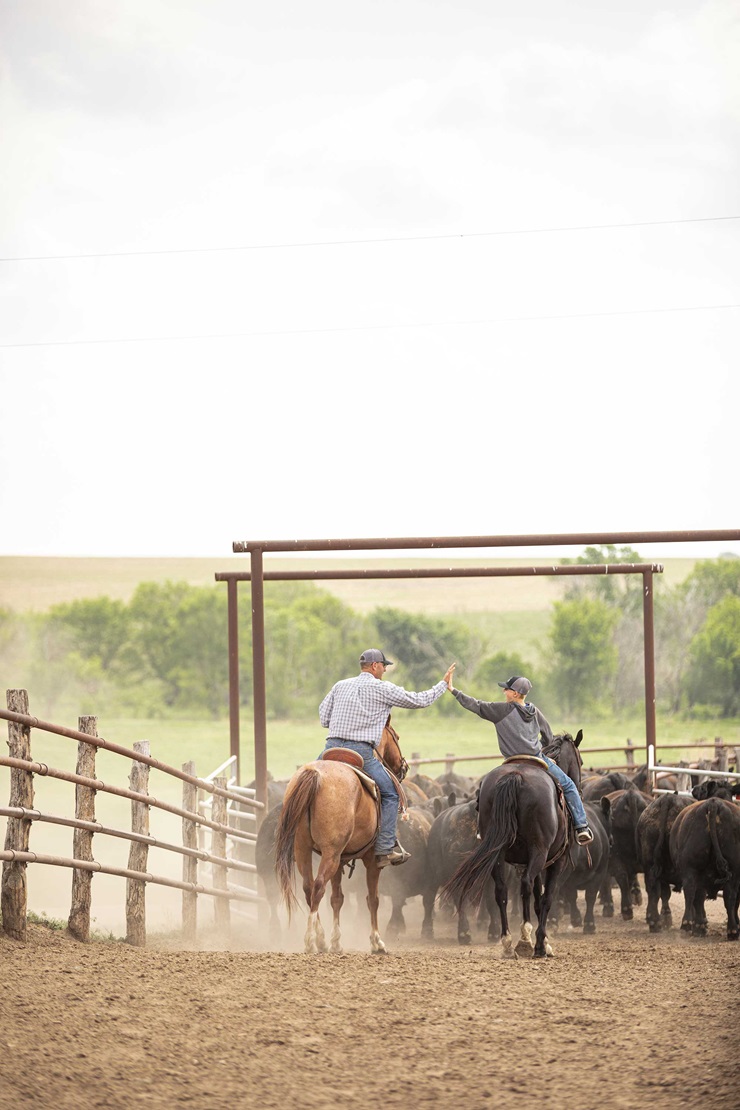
518 727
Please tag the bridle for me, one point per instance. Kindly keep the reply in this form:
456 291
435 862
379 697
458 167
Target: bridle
403 767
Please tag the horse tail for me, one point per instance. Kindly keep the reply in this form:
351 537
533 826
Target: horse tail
471 876
295 807
723 868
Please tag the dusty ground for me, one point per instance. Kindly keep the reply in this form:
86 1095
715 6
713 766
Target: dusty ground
622 1019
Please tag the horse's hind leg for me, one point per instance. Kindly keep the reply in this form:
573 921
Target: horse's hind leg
502 895
315 940
377 947
529 886
337 901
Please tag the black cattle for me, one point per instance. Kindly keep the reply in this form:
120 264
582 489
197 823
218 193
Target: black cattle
705 853
264 858
596 787
624 866
652 839
401 883
431 787
716 788
463 785
452 838
588 866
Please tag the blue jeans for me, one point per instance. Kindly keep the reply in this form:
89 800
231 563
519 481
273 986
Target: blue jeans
388 796
570 791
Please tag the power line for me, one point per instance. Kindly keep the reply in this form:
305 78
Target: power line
364 242
370 327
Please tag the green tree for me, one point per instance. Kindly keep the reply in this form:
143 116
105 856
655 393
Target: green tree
424 647
157 649
584 658
621 590
714 676
96 628
309 635
497 668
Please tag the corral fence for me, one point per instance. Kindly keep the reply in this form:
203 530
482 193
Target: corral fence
229 828
715 759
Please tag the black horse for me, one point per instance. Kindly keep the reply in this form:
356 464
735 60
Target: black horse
523 821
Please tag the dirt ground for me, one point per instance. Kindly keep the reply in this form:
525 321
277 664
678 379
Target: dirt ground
622 1019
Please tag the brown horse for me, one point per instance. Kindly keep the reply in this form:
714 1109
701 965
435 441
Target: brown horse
328 810
521 822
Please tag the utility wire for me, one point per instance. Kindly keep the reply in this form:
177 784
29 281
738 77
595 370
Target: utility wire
364 242
371 327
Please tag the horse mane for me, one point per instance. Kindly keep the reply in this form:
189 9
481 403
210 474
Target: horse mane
552 748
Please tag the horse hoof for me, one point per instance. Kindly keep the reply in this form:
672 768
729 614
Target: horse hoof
539 955
589 927
524 949
733 936
608 911
627 915
380 952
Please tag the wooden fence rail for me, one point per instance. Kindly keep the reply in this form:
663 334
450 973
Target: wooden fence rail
21 814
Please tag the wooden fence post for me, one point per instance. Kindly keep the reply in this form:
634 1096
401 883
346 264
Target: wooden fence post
138 852
449 763
629 753
189 863
720 754
218 848
14 889
82 840
414 762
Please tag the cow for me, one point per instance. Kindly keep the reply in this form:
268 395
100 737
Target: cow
595 787
431 787
652 836
716 788
705 853
452 838
626 807
588 866
401 883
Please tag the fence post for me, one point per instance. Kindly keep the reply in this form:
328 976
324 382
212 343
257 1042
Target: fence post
138 852
414 762
189 863
82 840
720 754
14 889
449 763
218 848
629 753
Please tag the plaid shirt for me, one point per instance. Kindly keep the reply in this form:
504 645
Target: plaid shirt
357 708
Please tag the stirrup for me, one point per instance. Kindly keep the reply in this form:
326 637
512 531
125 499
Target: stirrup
584 835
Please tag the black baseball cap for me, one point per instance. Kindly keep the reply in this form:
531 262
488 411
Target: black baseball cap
518 685
374 655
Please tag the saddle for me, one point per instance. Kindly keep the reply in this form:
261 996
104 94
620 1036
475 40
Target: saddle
356 762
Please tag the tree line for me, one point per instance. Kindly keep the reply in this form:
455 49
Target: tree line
165 652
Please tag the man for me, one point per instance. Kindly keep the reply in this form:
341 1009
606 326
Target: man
355 712
519 725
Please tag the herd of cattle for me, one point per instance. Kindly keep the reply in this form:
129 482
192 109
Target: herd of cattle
676 842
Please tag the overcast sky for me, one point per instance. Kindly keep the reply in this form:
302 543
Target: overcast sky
366 269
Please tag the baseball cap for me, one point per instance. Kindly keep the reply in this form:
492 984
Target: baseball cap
518 685
374 655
